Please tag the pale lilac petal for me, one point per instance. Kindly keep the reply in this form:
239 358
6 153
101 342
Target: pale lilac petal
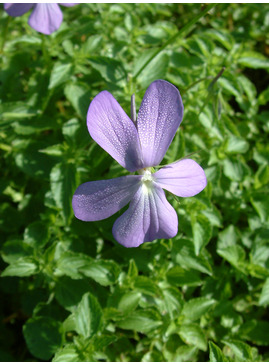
98 200
149 217
46 18
17 9
68 5
159 117
184 178
114 131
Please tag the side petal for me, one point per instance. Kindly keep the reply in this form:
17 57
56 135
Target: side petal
46 18
98 200
149 217
184 178
114 131
159 116
17 9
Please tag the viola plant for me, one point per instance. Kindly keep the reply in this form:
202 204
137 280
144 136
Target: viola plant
139 147
45 18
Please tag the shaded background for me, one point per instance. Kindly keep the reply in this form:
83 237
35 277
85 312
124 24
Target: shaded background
69 291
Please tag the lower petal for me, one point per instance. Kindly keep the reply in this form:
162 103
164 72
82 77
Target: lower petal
184 178
98 200
149 217
46 18
17 9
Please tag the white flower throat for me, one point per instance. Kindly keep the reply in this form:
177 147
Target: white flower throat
147 179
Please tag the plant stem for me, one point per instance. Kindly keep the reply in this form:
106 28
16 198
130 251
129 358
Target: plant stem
4 35
133 109
182 32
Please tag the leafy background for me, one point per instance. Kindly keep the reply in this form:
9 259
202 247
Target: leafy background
69 291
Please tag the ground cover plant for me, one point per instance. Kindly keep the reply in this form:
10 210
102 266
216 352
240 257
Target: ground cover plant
69 291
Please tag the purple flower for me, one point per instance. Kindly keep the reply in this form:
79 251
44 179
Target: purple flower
138 148
45 18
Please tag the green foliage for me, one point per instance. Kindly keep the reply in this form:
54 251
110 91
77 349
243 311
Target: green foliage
69 292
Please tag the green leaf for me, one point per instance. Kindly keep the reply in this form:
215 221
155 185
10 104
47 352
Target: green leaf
101 342
63 180
146 286
15 249
67 354
236 145
36 234
173 301
264 97
255 331
16 110
42 336
60 73
253 60
79 97
37 125
184 255
241 350
23 267
228 237
129 301
202 232
92 44
234 254
142 60
102 271
179 277
262 176
132 270
142 321
197 307
155 70
264 297
193 335
215 353
26 39
55 150
234 169
125 302
110 69
76 133
33 163
69 292
261 204
88 316
71 263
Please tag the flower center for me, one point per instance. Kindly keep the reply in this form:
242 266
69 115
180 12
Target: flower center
147 179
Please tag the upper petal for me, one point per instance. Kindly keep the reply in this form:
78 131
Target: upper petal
17 9
114 131
159 116
98 200
184 178
46 18
149 217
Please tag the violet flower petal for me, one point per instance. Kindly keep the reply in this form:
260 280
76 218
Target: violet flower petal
114 131
149 217
98 200
159 117
17 9
46 18
184 178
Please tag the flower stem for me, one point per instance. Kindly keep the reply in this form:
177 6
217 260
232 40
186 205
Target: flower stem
4 34
182 32
133 109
